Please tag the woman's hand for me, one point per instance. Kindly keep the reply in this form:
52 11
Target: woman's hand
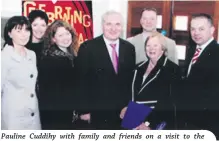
142 126
122 113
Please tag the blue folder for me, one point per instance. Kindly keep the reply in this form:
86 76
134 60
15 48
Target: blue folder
135 115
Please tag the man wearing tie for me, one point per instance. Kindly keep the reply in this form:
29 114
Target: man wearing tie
201 92
105 66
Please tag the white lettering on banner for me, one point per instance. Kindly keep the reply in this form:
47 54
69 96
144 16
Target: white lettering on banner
105 135
65 13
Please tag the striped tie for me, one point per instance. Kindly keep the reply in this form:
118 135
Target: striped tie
196 55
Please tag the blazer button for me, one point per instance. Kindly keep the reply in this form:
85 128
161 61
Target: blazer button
32 114
32 95
31 76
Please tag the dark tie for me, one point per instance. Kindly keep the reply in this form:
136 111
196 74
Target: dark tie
196 55
114 57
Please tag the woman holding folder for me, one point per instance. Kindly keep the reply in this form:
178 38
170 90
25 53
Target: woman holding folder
154 83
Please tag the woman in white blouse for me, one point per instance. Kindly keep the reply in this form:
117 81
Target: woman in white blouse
19 104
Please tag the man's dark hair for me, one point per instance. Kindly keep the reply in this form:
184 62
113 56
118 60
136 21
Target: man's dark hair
203 15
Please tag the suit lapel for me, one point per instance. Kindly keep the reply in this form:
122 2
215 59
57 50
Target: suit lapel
137 86
154 73
206 52
121 56
137 80
139 77
104 55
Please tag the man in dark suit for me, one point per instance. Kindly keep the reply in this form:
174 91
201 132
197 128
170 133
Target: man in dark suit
200 98
105 66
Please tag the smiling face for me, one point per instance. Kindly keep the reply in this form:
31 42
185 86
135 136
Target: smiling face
112 26
201 30
20 35
148 21
154 48
62 37
39 27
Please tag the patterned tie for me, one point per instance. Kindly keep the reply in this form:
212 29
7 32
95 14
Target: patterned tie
196 55
114 57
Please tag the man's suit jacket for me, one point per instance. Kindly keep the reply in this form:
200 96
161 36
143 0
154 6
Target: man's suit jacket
139 44
199 99
103 89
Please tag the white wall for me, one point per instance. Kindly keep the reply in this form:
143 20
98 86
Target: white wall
10 8
101 6
13 7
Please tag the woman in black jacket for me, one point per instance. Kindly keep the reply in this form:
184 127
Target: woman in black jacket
154 83
39 21
57 98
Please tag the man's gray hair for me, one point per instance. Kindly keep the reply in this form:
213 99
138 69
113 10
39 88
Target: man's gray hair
111 12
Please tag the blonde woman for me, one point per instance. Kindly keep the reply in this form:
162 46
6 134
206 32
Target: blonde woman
154 83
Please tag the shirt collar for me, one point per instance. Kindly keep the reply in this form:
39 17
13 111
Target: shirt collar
10 50
205 44
108 42
144 36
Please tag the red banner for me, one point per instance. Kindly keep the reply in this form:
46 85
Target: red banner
76 13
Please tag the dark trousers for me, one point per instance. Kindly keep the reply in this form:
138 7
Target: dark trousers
199 120
108 120
58 120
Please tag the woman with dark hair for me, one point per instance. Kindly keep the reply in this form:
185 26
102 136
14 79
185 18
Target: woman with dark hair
58 79
19 104
39 22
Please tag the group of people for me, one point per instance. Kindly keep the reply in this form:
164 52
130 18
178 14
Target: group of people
38 73
89 87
